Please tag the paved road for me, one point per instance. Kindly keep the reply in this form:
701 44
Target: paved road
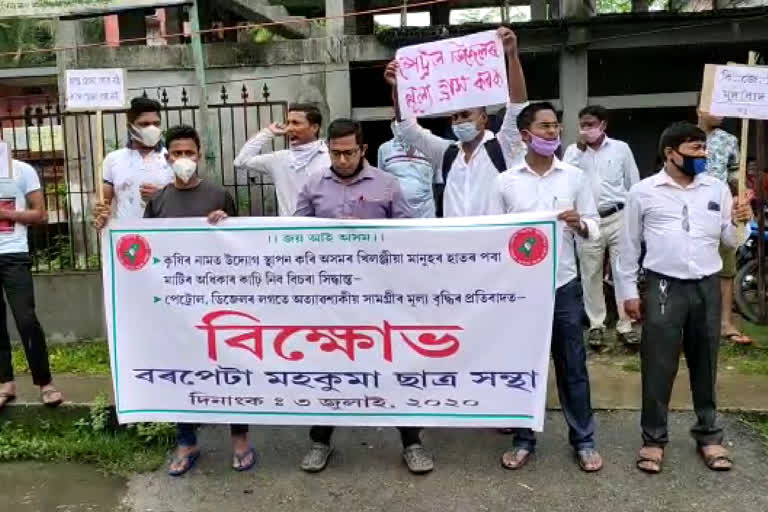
366 474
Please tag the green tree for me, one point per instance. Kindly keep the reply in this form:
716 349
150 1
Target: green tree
18 36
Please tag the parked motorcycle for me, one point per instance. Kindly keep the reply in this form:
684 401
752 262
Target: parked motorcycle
745 284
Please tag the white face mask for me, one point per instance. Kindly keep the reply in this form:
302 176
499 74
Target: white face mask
184 169
466 131
148 136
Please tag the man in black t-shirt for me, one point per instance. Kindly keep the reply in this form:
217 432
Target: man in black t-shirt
190 196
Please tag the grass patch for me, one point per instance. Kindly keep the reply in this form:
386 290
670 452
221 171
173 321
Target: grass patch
81 358
759 423
93 439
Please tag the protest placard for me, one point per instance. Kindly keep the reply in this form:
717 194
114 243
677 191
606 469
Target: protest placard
452 74
95 89
6 165
442 322
735 91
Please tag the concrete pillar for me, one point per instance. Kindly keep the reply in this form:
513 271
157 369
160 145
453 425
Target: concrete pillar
577 8
573 90
337 83
538 10
79 153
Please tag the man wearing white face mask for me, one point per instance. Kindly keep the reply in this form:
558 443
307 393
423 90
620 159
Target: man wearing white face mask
134 173
469 168
190 196
611 170
288 168
413 170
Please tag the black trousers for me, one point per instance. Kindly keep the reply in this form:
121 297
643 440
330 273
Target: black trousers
689 323
16 281
408 435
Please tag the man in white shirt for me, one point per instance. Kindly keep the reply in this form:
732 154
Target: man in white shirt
22 204
682 215
134 173
412 169
288 168
611 170
469 168
541 182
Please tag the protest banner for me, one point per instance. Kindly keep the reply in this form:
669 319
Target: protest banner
289 321
452 74
63 8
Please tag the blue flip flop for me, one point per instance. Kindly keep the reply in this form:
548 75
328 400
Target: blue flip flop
240 457
189 463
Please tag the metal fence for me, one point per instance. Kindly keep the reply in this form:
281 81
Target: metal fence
61 147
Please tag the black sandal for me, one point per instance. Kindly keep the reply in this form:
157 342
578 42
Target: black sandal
6 398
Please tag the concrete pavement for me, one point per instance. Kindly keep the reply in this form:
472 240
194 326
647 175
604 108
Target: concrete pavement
366 474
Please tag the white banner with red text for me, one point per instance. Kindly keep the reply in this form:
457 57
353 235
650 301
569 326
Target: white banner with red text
303 321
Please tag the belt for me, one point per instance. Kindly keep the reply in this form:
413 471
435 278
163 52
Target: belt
607 212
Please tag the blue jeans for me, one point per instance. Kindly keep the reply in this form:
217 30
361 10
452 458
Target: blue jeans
570 360
186 433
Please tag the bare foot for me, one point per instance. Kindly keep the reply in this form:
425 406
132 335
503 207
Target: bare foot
7 393
181 459
51 396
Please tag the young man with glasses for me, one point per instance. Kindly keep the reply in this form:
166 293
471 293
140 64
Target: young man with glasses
541 182
351 189
682 214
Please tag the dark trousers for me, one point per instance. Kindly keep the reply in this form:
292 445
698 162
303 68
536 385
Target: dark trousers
408 435
570 360
690 323
186 433
16 281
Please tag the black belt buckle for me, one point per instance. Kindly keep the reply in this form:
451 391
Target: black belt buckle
607 212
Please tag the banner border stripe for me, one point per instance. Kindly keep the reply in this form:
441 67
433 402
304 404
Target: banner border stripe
112 232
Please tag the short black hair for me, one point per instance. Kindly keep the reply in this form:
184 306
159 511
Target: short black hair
311 111
598 111
344 127
528 114
142 105
181 132
680 133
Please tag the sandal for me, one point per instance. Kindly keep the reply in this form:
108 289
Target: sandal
6 398
737 338
590 460
648 462
188 461
717 459
516 458
238 460
51 397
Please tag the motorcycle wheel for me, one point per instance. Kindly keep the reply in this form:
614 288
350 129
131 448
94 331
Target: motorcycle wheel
745 292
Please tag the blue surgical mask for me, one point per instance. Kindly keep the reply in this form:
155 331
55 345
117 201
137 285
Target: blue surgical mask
466 131
693 165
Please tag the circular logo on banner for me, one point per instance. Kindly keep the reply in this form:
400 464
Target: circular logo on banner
528 246
133 252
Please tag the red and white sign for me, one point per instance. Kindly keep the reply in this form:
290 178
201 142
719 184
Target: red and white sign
452 74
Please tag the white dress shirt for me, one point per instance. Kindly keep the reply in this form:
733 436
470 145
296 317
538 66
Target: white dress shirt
288 181
467 192
563 187
681 227
611 170
126 170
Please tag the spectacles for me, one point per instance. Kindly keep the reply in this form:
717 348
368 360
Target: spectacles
336 155
686 221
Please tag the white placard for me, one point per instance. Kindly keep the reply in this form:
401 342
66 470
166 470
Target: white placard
5 161
442 322
95 89
452 74
740 91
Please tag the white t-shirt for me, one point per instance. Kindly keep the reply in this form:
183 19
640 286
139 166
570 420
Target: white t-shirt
126 170
13 194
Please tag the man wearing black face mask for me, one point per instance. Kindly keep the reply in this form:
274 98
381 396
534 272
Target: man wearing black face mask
682 214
